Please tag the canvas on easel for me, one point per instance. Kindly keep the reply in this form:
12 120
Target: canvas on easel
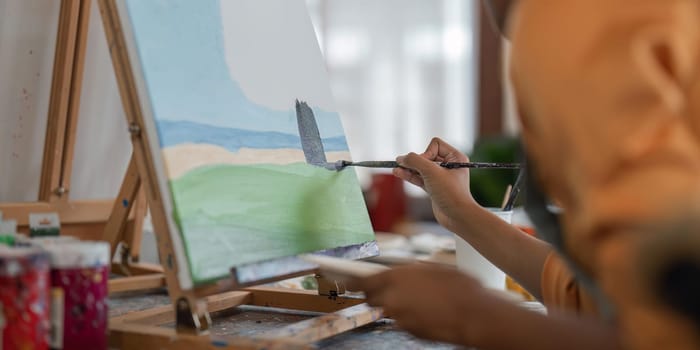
220 80
233 126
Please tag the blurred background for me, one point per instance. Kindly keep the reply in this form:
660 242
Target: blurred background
404 71
401 71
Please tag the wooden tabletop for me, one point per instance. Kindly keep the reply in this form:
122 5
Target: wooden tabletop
249 320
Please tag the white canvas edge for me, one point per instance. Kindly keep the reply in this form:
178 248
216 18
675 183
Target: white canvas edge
184 276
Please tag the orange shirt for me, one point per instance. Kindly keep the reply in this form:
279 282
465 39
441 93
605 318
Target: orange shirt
609 99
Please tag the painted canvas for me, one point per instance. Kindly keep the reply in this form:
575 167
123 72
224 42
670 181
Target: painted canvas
245 119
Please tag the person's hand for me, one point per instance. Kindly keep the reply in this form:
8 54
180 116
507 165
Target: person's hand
432 302
448 188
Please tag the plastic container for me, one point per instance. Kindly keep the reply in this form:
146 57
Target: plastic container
79 274
24 298
470 261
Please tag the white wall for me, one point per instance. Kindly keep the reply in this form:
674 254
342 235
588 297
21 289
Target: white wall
27 45
27 42
402 71
103 145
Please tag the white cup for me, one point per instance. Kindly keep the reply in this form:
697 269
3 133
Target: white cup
470 261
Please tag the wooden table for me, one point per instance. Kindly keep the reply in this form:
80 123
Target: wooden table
248 320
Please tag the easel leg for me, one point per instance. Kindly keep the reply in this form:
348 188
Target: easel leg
131 199
322 327
116 225
64 102
134 234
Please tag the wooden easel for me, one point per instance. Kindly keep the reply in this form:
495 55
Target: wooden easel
78 218
191 306
131 199
82 219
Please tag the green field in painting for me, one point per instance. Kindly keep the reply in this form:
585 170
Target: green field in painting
236 214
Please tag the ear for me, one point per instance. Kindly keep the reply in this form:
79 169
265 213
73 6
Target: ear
663 62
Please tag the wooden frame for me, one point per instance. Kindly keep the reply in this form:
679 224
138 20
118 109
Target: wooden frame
491 109
191 305
142 329
64 104
119 228
83 219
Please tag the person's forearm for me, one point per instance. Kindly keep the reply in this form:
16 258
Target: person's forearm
513 327
519 255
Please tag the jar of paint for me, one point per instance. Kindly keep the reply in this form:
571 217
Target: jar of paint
24 297
79 273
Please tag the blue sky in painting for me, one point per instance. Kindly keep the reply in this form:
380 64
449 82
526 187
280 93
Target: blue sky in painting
180 43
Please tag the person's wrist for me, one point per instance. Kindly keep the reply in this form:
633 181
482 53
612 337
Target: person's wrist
465 209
